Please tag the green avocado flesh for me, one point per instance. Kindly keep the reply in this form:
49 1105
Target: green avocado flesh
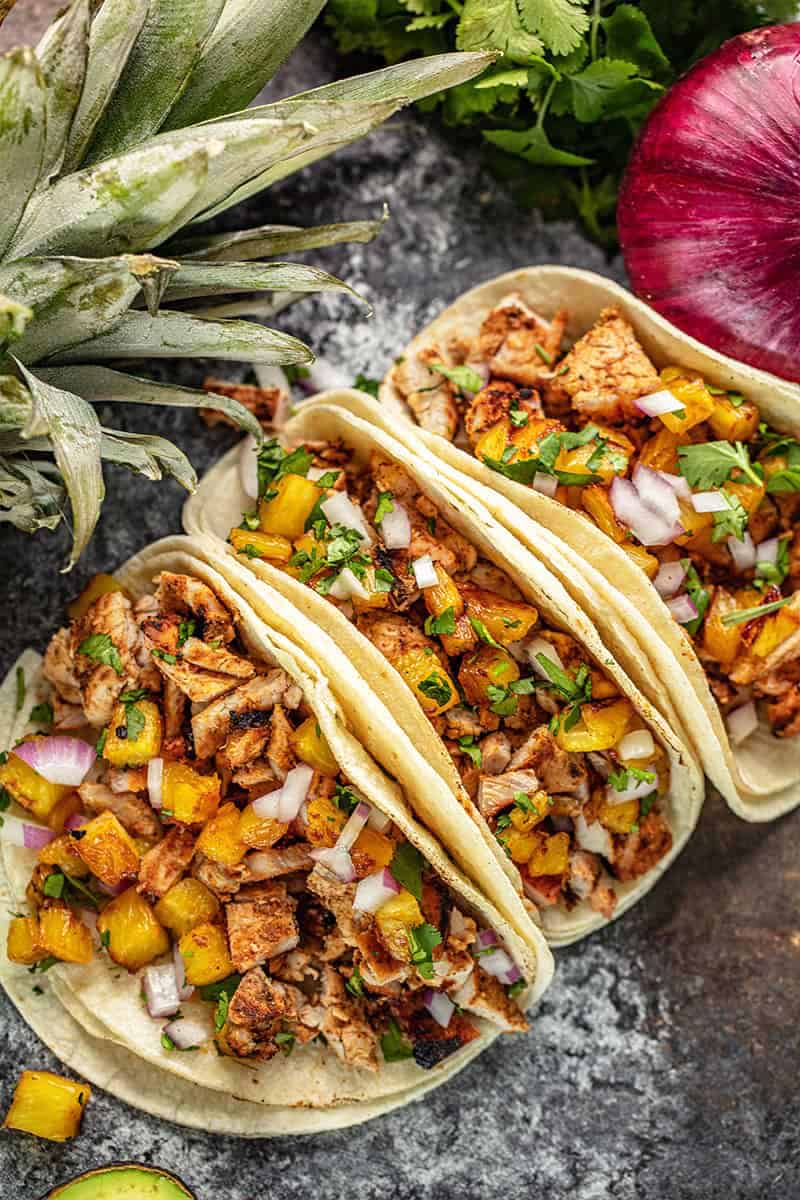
123 1183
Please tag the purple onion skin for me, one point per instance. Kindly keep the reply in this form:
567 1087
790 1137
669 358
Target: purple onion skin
709 210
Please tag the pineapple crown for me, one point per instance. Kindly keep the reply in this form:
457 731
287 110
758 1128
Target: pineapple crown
126 124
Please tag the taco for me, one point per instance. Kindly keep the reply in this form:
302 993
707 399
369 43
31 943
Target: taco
671 476
212 862
585 791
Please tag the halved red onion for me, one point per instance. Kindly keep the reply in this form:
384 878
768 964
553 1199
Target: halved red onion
188 1032
638 744
248 467
155 780
58 759
184 990
396 528
683 609
767 552
546 484
743 552
285 803
741 722
656 494
340 510
375 890
657 403
424 571
347 585
669 579
439 1005
709 502
679 485
538 645
337 861
161 990
649 527
75 821
23 833
379 821
498 963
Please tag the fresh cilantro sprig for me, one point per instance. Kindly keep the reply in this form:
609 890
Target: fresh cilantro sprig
466 379
274 463
732 521
100 649
394 1045
772 574
710 464
752 614
574 691
422 940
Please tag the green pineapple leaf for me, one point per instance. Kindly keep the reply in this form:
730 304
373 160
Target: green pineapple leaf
22 135
209 279
274 239
31 497
62 55
148 455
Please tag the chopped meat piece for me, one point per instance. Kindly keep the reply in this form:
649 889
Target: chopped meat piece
255 1014
404 591
378 966
262 402
494 402
485 996
496 753
394 635
723 692
462 931
242 746
461 722
190 597
260 929
603 899
749 667
296 967
199 684
509 338
544 890
431 534
497 792
211 726
255 774
59 667
338 897
109 618
132 811
638 852
166 863
280 751
489 577
174 708
333 946
66 716
557 769
584 871
223 881
344 1026
216 658
606 371
129 779
430 396
272 863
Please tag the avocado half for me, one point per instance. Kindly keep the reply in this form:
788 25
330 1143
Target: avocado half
123 1181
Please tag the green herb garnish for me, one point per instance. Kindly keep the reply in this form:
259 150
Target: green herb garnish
466 379
445 623
42 714
394 1045
100 649
421 942
436 688
406 868
751 614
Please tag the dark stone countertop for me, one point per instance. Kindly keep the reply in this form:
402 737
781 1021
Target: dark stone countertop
663 1061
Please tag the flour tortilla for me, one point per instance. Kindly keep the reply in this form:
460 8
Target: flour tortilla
311 1089
759 779
217 506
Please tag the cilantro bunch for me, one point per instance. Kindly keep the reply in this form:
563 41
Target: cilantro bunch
559 111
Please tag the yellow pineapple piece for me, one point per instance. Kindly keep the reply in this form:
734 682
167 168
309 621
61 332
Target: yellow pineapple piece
601 726
220 839
618 818
187 903
311 746
266 545
698 403
644 560
98 585
660 452
324 821
376 847
428 680
47 1105
62 810
518 844
551 855
487 667
64 935
720 641
776 629
398 915
24 941
108 850
287 512
443 595
493 442
130 751
505 620
188 796
597 504
260 833
29 788
205 955
131 932
62 852
731 424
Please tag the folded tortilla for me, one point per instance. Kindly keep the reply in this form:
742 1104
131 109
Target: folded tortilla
759 778
93 1017
361 668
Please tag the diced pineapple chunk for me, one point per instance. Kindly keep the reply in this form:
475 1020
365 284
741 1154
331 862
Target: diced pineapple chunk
48 1106
660 453
311 746
601 727
324 821
644 560
443 595
220 838
266 545
187 903
487 667
108 850
430 683
260 833
377 849
776 629
98 585
29 788
505 620
188 796
551 855
205 955
595 500
24 941
64 935
287 512
127 751
518 845
721 642
134 936
62 810
493 442
62 852
698 403
399 914
526 819
619 818
732 424
317 553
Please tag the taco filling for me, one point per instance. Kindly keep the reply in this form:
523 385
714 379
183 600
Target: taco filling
193 825
685 477
557 761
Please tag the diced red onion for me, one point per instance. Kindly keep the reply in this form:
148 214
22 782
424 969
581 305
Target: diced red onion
635 745
58 759
707 212
767 552
188 1032
546 484
683 609
379 821
439 1005
649 528
337 861
340 510
75 821
347 585
741 722
669 579
679 485
538 645
657 403
113 890
424 572
155 780
286 801
593 836
498 963
511 976
487 937
656 494
396 528
357 820
375 890
248 467
709 502
184 990
743 552
22 833
161 990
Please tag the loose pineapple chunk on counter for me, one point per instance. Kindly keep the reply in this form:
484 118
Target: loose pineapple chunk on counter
187 903
205 955
188 796
48 1106
220 839
108 850
128 751
64 935
131 932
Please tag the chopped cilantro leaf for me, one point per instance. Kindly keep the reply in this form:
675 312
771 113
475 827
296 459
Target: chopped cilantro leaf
445 623
468 745
54 885
20 689
709 464
250 521
105 938
384 580
620 779
543 354
285 1041
466 379
100 648
164 656
697 593
355 984
393 1044
42 714
769 574
421 941
406 867
732 521
345 798
101 743
186 629
751 614
221 1011
436 688
483 633
363 383
211 992
385 506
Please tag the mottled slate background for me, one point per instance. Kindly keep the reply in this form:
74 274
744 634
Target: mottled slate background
663 1061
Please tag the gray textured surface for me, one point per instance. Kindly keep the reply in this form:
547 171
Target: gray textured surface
663 1062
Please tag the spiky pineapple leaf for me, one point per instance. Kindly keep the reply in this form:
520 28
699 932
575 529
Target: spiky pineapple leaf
72 299
209 279
157 69
115 28
274 239
138 335
251 40
74 431
22 135
62 55
31 498
124 205
14 320
104 385
411 80
148 455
